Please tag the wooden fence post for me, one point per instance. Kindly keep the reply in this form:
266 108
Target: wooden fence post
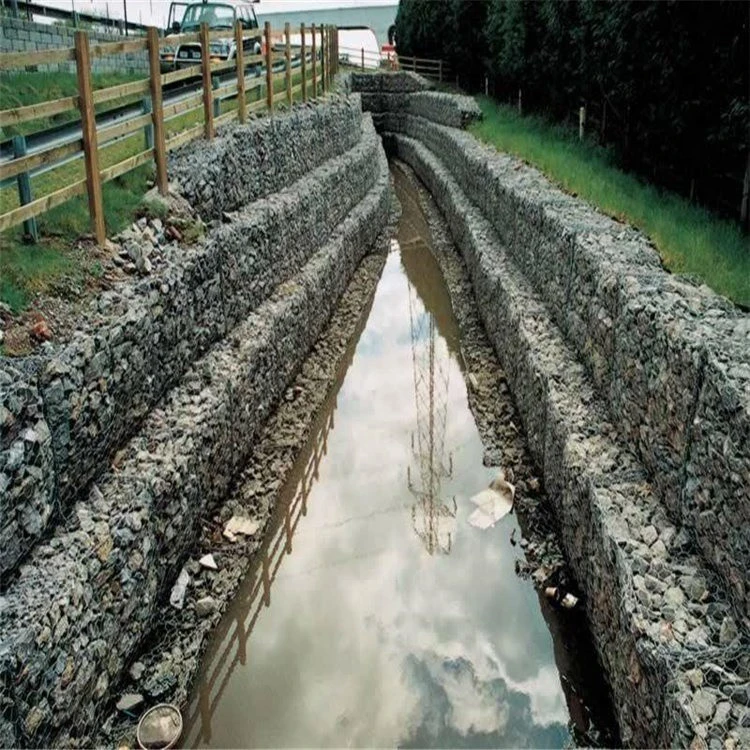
323 64
323 58
288 65
335 49
269 68
208 94
90 144
363 58
303 56
314 65
157 111
240 66
30 226
440 71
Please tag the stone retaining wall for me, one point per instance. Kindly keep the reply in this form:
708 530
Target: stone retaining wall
671 359
85 600
75 405
20 35
553 280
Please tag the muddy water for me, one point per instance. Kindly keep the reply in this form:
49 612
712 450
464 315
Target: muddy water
377 616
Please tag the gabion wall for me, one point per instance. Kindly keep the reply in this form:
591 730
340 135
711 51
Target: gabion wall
70 408
207 351
622 374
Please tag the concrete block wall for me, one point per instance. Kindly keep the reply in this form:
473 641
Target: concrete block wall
20 35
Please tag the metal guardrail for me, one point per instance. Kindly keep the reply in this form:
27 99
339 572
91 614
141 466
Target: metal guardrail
94 133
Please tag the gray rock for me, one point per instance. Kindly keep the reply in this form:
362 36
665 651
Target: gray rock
130 702
728 631
704 702
206 606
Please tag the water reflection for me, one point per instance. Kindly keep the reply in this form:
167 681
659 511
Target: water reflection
372 639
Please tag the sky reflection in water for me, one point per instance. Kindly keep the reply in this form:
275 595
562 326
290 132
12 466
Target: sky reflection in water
369 640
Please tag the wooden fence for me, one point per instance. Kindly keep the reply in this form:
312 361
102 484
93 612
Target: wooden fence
361 59
314 56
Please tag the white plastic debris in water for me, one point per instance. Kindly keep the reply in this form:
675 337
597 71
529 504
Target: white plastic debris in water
207 561
177 597
567 600
240 525
493 503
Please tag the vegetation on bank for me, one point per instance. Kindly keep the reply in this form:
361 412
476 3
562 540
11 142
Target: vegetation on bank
55 264
664 84
690 239
24 89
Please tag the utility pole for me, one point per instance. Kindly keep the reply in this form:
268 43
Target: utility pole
125 8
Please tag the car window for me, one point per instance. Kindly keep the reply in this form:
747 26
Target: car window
216 16
251 19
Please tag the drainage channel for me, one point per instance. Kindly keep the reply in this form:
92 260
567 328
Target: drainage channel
376 614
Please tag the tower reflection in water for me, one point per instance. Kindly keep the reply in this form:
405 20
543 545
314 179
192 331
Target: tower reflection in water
434 520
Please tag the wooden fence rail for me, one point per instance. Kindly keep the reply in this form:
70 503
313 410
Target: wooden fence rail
166 126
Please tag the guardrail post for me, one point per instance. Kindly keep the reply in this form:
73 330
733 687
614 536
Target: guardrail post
314 65
158 138
303 58
30 226
88 131
440 71
216 101
288 65
208 107
240 61
148 130
269 68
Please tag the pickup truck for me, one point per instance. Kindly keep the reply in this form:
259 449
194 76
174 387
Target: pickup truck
219 16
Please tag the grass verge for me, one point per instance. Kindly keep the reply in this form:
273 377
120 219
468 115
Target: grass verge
54 264
23 89
690 239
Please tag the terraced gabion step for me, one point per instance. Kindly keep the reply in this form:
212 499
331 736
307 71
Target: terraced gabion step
251 162
670 359
85 600
677 660
73 407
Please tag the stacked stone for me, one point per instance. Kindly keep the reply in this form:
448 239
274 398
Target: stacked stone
248 163
657 613
27 477
552 278
84 601
142 337
656 346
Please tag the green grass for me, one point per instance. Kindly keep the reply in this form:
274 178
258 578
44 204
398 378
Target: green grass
690 240
26 270
23 89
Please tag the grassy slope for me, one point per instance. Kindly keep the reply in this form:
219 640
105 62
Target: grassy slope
29 269
690 239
